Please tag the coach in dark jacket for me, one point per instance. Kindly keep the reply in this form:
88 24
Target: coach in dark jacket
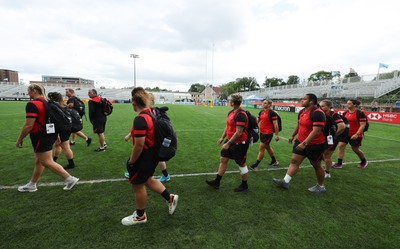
97 118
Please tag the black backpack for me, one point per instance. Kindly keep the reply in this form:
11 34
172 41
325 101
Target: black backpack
106 106
165 139
278 118
58 116
330 127
252 127
79 105
76 119
358 118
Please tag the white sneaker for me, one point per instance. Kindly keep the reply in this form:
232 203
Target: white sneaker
173 202
27 188
70 184
134 219
327 175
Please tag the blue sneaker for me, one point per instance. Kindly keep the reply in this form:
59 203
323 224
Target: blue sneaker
164 178
127 174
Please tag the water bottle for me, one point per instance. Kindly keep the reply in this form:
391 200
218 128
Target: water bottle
166 142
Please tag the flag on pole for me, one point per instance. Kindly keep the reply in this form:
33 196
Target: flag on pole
334 73
381 65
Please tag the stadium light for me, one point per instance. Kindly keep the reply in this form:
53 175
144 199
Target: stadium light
134 56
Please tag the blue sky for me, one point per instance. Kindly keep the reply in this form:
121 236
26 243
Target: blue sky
184 42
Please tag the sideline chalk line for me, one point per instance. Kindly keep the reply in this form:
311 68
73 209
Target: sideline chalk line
51 184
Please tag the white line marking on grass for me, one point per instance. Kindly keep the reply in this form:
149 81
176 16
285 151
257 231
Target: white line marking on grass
383 138
51 184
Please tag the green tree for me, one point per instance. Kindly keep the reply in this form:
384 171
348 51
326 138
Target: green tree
320 75
197 87
247 84
293 79
271 82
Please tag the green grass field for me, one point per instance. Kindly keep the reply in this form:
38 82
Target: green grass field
361 208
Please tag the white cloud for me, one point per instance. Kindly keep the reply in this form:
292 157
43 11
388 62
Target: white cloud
174 39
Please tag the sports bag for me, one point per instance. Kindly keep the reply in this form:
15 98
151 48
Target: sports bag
106 107
58 116
165 139
252 127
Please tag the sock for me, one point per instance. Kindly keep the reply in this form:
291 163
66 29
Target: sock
244 183
165 194
69 178
71 162
218 178
273 158
257 163
32 183
363 160
55 158
165 172
327 171
287 178
339 161
86 138
140 212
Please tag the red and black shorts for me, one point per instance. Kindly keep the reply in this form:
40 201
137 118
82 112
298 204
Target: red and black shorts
347 140
266 138
42 142
99 126
143 168
237 152
313 152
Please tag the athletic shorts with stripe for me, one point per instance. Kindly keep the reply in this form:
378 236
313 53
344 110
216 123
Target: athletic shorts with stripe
312 152
42 142
237 152
266 138
143 168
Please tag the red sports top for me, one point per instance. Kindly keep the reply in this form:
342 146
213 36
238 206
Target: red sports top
35 109
237 118
307 120
266 125
354 122
143 126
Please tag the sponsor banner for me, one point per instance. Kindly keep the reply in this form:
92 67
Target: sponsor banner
384 117
14 99
284 108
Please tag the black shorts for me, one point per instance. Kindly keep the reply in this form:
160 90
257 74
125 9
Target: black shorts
143 168
99 126
237 152
42 142
266 138
347 140
334 145
313 152
64 136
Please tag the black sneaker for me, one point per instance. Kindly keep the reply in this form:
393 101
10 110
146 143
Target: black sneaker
213 183
88 141
242 188
100 150
71 143
69 166
254 167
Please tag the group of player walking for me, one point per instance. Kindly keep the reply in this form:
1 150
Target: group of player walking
310 142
